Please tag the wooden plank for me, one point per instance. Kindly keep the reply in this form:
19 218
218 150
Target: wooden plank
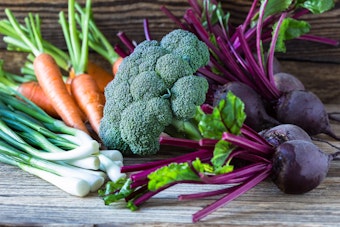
114 16
28 200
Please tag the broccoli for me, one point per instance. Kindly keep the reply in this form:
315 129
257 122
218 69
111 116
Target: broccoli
187 46
155 87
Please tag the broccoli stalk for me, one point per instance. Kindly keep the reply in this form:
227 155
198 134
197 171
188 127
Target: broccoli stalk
155 88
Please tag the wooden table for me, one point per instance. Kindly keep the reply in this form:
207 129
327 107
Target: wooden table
28 200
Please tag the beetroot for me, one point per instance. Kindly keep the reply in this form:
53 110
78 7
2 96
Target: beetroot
257 117
305 109
286 82
285 132
299 166
238 54
295 166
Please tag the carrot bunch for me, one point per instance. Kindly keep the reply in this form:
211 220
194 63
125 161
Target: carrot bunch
78 97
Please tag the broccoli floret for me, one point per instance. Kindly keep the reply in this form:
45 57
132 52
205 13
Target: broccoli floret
186 45
112 135
154 86
170 68
144 58
142 122
147 85
188 91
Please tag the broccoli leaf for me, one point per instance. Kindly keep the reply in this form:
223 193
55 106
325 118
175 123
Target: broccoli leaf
171 173
290 29
316 6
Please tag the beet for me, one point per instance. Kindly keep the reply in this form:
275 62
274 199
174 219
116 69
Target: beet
257 117
304 109
286 82
283 133
299 166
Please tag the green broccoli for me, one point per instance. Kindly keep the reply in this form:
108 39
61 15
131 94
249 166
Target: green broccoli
182 94
186 45
155 87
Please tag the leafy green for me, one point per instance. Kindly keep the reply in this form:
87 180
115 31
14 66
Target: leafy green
177 172
115 191
221 152
217 14
228 116
276 6
290 29
202 167
169 174
316 6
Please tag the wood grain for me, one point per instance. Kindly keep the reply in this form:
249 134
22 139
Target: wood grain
29 201
127 15
26 200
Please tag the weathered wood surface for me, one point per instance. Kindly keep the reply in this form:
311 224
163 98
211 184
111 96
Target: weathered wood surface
114 15
27 201
315 64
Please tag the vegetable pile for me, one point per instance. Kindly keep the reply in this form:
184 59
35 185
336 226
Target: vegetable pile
209 88
231 154
44 114
256 122
244 54
76 98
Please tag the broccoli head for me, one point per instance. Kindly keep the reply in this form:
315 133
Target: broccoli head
188 47
154 86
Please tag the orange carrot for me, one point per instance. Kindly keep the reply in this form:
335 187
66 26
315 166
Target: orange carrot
100 75
68 84
34 92
50 79
85 90
89 98
116 65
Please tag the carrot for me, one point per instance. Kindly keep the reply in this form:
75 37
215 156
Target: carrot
68 84
46 69
50 79
84 88
116 65
89 98
27 88
34 92
99 74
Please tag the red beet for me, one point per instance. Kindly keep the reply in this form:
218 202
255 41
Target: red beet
304 109
284 132
299 166
257 117
286 82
